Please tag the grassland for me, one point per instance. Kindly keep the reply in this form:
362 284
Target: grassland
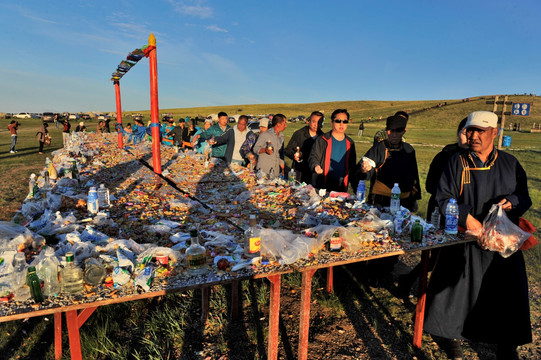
168 328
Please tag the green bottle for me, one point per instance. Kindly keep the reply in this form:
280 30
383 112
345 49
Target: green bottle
34 284
417 232
74 170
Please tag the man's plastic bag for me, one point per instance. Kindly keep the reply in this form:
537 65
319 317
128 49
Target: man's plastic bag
500 234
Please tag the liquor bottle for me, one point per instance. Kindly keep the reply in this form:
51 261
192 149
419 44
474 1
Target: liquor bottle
451 217
48 272
291 177
103 197
74 170
395 198
72 276
196 255
46 180
435 218
92 201
269 146
361 191
252 239
34 284
271 173
417 232
53 174
335 243
298 154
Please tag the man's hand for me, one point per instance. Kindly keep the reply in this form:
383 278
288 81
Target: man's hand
505 204
366 167
318 170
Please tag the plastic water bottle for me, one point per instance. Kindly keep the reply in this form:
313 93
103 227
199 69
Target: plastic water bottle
435 218
92 202
48 272
395 198
291 177
103 197
451 217
361 191
19 271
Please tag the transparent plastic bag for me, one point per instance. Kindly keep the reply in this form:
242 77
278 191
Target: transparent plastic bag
500 234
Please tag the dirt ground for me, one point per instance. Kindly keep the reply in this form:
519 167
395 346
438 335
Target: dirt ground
367 321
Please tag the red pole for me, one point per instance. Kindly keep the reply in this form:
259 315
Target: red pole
155 123
119 114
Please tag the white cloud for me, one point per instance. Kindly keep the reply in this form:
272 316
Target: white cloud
215 28
192 8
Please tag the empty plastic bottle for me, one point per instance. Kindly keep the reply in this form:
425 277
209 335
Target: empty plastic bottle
361 191
19 270
48 272
103 197
291 177
72 276
92 202
395 198
451 217
32 186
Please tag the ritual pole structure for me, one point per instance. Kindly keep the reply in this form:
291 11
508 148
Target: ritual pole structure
119 115
155 123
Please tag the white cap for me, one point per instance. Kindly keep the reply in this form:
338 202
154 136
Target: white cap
264 122
482 119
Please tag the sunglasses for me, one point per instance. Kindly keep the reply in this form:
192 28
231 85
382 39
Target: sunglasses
341 121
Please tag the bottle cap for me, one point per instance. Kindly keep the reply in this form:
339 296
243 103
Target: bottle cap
31 269
69 256
452 201
193 232
92 188
252 216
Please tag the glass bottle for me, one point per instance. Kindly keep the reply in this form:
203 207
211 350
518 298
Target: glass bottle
335 243
298 154
32 186
94 272
196 255
72 276
417 232
103 197
435 218
252 239
34 284
74 170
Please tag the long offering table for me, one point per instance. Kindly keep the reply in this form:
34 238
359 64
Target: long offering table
150 211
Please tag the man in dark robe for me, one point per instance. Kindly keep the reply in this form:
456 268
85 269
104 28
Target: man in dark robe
477 294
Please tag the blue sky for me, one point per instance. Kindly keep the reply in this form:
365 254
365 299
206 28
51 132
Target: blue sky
59 55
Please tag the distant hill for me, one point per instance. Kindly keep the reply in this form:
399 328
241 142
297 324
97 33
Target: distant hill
423 113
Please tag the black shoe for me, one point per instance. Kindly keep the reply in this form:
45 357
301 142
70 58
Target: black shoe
506 352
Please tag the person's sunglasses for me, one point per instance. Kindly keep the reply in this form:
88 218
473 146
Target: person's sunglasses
341 121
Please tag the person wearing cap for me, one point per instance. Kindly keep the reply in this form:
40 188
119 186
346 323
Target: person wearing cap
303 139
392 161
247 146
333 157
81 127
269 148
477 294
218 151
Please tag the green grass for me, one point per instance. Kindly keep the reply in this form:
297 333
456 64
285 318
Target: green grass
168 327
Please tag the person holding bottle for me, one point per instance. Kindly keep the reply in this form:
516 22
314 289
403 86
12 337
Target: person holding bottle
218 151
477 294
392 161
333 157
269 148
300 145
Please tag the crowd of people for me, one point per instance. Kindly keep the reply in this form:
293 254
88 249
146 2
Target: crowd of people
474 294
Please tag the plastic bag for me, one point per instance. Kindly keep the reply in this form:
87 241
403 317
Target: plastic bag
500 234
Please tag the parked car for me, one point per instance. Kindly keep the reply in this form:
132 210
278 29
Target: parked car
73 117
24 115
231 119
85 116
48 117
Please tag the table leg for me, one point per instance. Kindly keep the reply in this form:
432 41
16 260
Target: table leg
235 300
58 335
204 304
304 326
330 279
421 300
274 316
74 322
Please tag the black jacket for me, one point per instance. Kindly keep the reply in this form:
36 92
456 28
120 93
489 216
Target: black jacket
302 139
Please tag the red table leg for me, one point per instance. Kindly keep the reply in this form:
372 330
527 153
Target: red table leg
330 279
74 322
274 316
58 335
304 326
420 308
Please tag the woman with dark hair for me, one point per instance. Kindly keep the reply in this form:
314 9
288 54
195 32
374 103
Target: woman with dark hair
42 135
333 158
